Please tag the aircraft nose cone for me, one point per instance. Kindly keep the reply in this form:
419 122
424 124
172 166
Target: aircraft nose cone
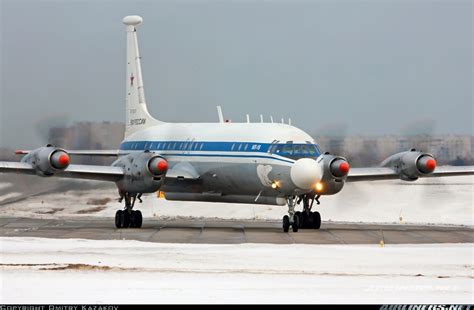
305 173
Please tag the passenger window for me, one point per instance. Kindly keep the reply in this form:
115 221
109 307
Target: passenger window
232 148
158 146
240 146
196 146
202 145
245 147
191 146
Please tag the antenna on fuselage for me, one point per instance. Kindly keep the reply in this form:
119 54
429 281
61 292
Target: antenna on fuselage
289 121
219 113
248 118
282 120
261 118
271 118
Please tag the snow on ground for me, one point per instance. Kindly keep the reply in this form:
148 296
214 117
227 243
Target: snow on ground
433 200
9 195
35 270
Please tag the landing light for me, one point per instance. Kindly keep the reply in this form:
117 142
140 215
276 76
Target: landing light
275 185
318 186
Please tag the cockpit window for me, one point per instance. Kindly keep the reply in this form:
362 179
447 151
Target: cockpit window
296 151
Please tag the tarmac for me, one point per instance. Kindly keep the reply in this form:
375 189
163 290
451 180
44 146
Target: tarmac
216 231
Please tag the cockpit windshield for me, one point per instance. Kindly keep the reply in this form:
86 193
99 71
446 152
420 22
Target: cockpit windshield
295 151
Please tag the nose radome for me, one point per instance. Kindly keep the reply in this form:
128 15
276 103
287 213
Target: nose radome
305 173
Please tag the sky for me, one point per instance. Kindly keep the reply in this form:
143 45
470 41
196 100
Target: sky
367 67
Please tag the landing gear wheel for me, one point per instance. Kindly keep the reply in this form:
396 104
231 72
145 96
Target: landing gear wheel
296 223
300 217
286 223
316 220
138 219
118 216
125 219
132 219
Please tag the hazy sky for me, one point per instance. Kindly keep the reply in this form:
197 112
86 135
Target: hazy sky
364 67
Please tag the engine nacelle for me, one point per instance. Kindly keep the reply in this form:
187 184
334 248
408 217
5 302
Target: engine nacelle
144 172
334 173
411 165
325 175
47 160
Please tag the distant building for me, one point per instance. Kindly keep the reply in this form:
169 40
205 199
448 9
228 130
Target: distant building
369 150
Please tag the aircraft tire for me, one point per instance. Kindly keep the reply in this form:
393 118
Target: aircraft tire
125 219
118 216
300 217
296 223
286 223
133 219
138 219
316 220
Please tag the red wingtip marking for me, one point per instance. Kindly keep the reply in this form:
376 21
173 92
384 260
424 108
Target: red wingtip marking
63 160
18 152
344 167
431 164
162 165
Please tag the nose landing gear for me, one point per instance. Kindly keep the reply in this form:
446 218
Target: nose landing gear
291 219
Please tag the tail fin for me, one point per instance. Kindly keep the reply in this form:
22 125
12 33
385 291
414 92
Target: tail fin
137 116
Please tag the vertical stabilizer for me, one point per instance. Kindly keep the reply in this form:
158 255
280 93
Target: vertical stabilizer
137 116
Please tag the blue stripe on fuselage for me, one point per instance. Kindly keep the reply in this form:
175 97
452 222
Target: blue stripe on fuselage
200 146
195 146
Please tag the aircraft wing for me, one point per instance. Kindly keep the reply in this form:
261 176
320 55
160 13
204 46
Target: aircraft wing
88 172
83 152
385 173
183 171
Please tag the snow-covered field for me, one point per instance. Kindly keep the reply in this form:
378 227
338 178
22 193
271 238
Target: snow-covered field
35 270
434 201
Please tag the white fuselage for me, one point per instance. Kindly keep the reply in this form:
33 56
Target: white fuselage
232 160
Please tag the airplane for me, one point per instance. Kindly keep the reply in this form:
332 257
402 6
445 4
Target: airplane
255 163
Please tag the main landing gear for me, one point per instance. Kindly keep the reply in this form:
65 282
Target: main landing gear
128 217
302 219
